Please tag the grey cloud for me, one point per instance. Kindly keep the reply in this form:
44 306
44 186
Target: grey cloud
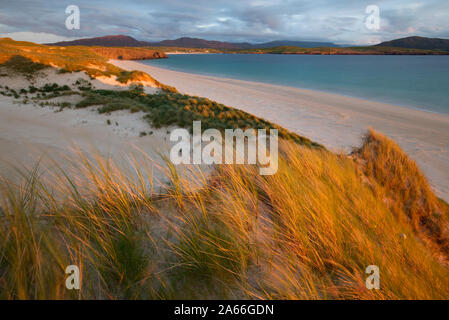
244 20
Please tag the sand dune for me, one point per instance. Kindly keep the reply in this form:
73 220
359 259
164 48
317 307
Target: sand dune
29 133
337 122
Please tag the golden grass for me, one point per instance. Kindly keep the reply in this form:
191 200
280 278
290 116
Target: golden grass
307 232
406 189
91 60
128 53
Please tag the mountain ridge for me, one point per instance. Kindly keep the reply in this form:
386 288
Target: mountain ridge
186 42
416 42
106 41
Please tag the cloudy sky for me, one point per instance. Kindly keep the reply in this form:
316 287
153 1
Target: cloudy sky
339 21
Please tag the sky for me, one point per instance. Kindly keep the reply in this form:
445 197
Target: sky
338 21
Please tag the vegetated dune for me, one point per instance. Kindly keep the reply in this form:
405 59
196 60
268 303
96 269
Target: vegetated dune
408 193
93 61
307 232
128 53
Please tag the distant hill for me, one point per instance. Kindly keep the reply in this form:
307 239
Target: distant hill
405 46
200 43
107 41
127 41
185 42
421 43
418 43
301 44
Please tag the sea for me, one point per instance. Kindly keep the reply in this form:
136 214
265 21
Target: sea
420 82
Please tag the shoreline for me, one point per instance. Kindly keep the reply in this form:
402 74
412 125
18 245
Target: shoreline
294 87
180 52
336 121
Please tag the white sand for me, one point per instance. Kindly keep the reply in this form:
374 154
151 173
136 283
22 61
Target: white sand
29 132
337 122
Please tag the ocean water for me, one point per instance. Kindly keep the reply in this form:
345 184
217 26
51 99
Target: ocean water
413 81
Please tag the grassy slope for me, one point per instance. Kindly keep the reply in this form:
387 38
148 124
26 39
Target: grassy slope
127 53
74 59
307 232
177 109
407 190
163 109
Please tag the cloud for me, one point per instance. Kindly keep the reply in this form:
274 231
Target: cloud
245 20
36 37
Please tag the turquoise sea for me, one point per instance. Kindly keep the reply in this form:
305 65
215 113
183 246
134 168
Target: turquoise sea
413 81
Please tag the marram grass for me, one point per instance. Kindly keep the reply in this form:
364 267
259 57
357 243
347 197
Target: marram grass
307 232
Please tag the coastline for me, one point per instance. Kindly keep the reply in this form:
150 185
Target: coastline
180 52
338 122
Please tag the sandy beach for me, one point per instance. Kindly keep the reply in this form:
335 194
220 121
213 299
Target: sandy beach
30 133
338 122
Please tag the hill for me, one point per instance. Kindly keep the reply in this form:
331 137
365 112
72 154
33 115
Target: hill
107 41
186 42
302 44
373 50
405 46
92 60
200 43
418 43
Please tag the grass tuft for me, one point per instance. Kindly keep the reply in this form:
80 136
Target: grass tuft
307 232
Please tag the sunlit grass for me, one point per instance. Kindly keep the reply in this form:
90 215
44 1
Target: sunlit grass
28 58
307 232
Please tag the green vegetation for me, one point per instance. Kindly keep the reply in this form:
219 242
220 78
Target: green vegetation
342 51
23 66
307 232
70 59
168 109
371 50
30 57
46 92
164 109
128 53
185 50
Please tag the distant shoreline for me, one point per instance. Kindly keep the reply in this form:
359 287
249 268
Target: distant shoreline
335 121
180 52
316 51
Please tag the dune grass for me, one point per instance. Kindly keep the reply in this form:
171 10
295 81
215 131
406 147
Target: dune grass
170 108
406 189
29 57
23 66
307 232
